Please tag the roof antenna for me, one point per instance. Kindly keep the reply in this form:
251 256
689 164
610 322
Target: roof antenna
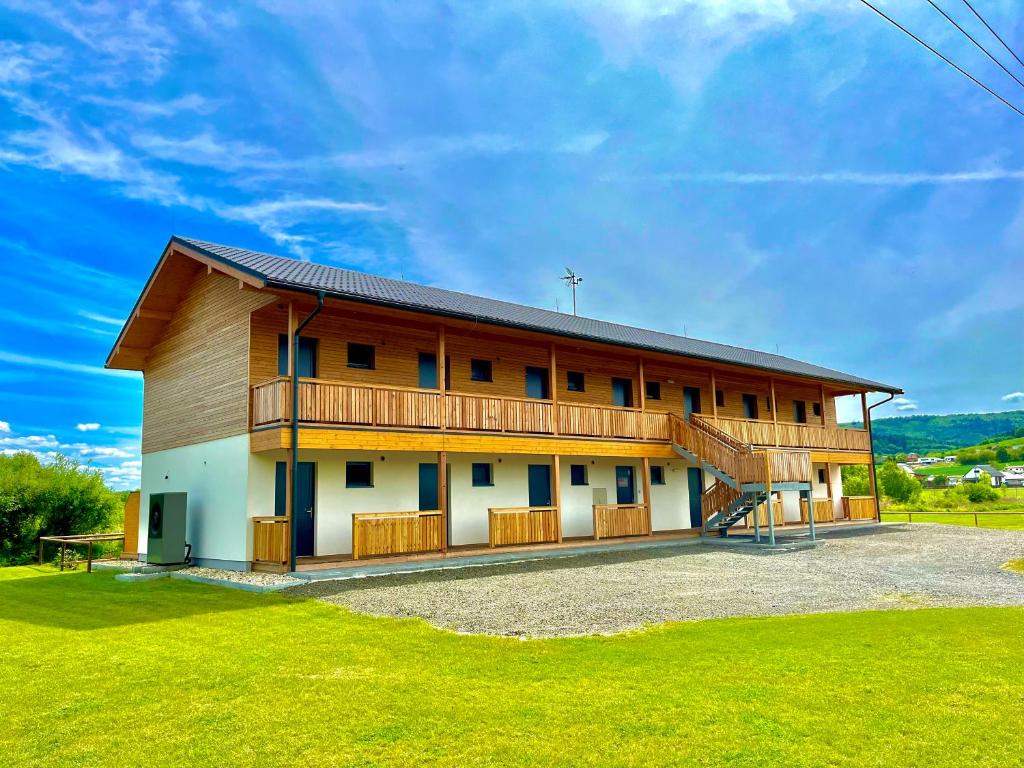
556 305
571 279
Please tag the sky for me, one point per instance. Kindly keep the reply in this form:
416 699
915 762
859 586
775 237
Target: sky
789 175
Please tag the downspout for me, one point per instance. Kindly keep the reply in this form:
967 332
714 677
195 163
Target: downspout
294 529
871 442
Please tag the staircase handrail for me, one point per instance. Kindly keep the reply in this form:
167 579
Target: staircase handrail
716 499
717 448
699 422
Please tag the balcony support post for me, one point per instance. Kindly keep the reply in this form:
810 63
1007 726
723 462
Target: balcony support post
768 493
714 398
775 413
442 496
442 373
556 492
646 469
553 378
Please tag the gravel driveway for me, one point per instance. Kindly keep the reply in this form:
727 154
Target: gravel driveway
894 566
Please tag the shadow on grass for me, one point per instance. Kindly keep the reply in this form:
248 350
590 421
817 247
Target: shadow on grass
89 601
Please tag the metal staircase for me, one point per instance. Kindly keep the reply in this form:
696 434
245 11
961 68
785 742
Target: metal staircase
744 476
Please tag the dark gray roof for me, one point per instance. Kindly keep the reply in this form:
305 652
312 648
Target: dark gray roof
278 271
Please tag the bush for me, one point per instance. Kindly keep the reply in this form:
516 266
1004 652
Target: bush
71 558
897 484
980 491
55 499
855 480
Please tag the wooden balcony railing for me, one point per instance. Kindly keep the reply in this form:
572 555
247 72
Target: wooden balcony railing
859 507
396 533
788 435
823 512
716 498
762 515
523 525
270 540
612 520
499 414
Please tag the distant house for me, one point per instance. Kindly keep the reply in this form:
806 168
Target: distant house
975 473
1013 477
949 459
907 468
912 457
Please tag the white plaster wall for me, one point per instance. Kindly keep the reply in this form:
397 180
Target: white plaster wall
670 503
215 476
837 491
790 506
578 500
469 505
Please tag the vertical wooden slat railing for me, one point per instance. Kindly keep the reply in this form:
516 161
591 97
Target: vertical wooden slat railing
522 525
791 435
859 507
613 520
270 540
823 512
717 498
380 534
717 448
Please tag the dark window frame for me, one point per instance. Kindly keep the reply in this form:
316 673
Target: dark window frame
750 399
486 467
816 409
573 385
573 469
354 483
720 398
652 394
477 368
358 346
657 474
821 477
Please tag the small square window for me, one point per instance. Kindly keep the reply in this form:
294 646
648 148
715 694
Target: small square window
578 474
575 381
359 474
816 409
480 370
483 474
821 476
653 389
361 356
720 398
657 474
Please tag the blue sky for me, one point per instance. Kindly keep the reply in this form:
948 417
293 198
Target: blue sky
781 174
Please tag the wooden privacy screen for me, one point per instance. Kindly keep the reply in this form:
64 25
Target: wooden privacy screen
612 520
762 515
270 539
523 525
859 507
822 511
396 533
131 525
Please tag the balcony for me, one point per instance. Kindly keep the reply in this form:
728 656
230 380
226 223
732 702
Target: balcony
337 403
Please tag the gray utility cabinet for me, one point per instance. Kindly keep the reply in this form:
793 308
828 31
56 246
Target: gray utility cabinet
167 528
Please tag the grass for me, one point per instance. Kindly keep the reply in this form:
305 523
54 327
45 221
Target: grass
938 500
1005 522
1015 565
98 672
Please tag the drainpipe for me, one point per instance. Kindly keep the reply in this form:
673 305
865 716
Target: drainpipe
871 442
294 529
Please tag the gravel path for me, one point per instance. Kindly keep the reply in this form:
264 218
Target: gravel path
896 566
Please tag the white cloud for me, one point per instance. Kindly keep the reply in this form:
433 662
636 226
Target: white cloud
206 150
59 365
101 318
905 404
91 426
584 143
5 427
191 102
1010 397
908 179
33 442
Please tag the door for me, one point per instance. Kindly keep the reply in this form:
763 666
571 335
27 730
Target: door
625 486
750 406
622 393
307 356
695 483
428 370
691 400
305 481
539 478
537 383
428 487
800 411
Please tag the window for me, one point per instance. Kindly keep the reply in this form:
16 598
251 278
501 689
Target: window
361 356
799 411
657 475
720 398
653 389
821 476
537 383
578 474
358 474
483 474
816 409
750 406
480 370
428 370
574 381
622 392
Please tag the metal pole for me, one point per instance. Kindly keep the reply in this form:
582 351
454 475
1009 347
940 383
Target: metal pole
293 528
810 510
768 499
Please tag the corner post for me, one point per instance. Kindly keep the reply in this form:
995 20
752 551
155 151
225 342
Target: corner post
553 378
442 373
556 493
775 413
646 469
442 496
871 466
768 494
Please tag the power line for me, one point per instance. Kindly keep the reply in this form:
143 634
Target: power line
996 34
980 47
959 69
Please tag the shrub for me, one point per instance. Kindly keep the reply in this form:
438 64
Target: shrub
55 499
897 484
855 480
980 491
71 558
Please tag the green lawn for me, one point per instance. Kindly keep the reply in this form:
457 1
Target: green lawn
1015 565
1006 522
96 672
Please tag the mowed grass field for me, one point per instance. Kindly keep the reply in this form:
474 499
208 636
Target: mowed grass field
98 672
1011 500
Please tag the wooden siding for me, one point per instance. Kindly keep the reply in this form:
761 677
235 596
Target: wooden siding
613 520
382 534
131 525
522 525
196 375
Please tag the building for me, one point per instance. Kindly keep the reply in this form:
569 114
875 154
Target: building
974 474
430 421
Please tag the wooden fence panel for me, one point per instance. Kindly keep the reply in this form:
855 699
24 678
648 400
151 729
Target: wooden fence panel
612 520
859 507
522 525
270 540
823 512
131 525
377 534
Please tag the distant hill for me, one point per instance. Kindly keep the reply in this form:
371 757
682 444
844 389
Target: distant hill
924 434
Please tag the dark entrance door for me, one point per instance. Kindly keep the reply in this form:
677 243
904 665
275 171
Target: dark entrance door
307 356
428 370
539 478
691 400
625 487
537 383
695 482
428 487
305 481
622 393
